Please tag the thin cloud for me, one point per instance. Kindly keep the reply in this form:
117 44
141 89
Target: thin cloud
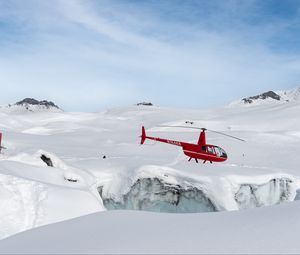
120 58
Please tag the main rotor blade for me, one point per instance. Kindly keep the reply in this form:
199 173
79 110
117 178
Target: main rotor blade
183 127
234 137
205 129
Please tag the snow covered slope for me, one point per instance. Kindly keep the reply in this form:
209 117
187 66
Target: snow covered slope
32 194
272 230
154 177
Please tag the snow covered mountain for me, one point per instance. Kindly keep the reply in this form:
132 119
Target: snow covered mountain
270 97
30 105
97 165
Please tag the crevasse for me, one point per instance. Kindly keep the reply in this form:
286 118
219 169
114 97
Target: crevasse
155 194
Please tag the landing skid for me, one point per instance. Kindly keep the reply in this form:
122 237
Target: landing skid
194 158
198 161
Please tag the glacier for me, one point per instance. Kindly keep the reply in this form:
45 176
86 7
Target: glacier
273 192
152 194
183 194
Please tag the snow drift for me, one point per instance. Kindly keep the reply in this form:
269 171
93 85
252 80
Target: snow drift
267 230
33 194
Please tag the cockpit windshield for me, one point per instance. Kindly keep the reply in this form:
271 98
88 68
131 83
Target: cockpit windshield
220 152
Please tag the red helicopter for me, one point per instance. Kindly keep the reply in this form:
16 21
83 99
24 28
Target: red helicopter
201 150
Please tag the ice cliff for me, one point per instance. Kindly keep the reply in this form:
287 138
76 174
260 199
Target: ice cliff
172 193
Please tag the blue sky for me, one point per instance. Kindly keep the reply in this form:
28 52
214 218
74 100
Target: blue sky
89 55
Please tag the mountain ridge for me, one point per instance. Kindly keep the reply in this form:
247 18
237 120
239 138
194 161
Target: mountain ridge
31 105
269 97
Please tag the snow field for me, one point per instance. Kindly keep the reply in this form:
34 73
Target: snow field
156 177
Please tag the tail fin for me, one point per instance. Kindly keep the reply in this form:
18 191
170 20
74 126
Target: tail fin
202 138
143 136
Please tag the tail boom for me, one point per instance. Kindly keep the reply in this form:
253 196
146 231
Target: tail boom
157 139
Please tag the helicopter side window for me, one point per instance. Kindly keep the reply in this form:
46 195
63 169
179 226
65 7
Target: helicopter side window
210 150
218 151
204 148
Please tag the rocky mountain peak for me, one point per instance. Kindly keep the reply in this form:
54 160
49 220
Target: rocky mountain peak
31 101
145 104
263 96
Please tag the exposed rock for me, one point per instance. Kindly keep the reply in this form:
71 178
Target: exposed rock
31 101
269 94
70 179
145 103
47 160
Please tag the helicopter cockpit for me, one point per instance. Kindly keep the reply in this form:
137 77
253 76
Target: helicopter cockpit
220 152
